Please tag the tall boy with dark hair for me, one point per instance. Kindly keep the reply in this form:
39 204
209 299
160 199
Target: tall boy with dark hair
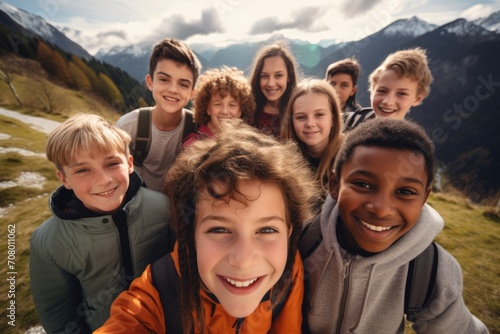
173 71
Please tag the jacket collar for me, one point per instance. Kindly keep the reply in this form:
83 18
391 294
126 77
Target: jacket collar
65 205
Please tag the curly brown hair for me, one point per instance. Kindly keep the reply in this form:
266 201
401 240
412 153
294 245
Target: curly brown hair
223 81
238 152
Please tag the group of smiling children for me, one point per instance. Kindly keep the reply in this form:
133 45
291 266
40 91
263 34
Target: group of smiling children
216 251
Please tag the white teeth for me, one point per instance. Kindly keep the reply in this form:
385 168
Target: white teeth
388 111
375 228
240 284
106 193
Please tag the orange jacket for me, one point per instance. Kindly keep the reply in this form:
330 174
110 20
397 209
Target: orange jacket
139 309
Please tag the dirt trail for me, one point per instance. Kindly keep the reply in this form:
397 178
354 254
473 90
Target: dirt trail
36 123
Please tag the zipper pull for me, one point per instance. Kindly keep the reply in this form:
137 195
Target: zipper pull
237 324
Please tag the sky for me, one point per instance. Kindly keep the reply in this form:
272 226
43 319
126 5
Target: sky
96 24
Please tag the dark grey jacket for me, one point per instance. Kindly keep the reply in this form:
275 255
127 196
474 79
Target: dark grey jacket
79 261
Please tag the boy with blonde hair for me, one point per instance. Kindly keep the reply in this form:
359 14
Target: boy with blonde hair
402 81
173 72
104 229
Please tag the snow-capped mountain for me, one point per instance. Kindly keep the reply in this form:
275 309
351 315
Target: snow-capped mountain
134 59
132 50
491 22
412 27
31 24
463 57
466 31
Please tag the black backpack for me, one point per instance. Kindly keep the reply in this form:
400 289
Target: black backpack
143 138
421 276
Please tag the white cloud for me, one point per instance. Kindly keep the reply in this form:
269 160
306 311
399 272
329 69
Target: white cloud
99 24
477 11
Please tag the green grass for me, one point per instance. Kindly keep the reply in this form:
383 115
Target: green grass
29 79
469 235
473 239
29 209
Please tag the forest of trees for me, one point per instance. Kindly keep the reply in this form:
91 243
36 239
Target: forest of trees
112 84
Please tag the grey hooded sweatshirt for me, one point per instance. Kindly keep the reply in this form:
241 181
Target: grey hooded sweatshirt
347 293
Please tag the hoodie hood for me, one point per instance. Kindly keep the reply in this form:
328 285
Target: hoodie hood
400 252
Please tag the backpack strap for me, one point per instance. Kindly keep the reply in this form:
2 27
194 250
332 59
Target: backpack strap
143 137
189 125
166 281
353 118
310 238
279 305
421 279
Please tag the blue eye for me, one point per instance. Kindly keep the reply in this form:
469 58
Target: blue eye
218 230
268 230
82 170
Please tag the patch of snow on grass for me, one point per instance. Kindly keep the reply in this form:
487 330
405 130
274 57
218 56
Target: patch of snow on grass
21 151
26 179
4 136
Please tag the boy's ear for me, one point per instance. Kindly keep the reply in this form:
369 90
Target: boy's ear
149 82
130 162
333 185
427 193
62 178
354 90
191 95
418 100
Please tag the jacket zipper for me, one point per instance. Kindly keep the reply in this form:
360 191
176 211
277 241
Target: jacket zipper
120 220
238 323
345 292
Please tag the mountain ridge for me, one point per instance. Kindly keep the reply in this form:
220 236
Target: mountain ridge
463 57
38 26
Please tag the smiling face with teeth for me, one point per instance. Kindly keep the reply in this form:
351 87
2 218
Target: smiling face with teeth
273 79
172 86
394 95
380 195
221 108
242 246
99 180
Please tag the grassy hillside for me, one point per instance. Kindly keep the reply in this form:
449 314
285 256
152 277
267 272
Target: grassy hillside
470 235
41 96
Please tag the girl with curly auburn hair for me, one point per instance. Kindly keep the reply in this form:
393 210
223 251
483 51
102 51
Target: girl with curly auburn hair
222 93
238 203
